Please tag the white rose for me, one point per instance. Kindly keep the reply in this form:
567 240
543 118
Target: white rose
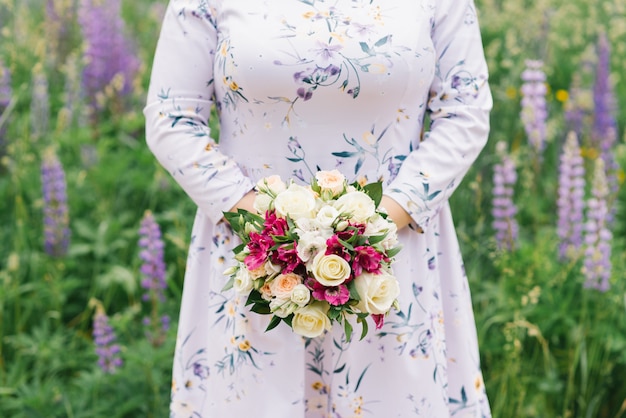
330 270
357 204
309 245
282 308
296 201
377 292
270 268
326 216
271 185
262 203
311 321
377 225
332 182
300 295
242 282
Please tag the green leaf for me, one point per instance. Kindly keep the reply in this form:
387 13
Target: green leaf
374 191
273 323
392 252
261 308
347 327
353 293
364 326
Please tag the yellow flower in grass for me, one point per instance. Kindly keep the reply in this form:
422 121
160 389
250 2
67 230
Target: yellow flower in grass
511 92
589 153
562 95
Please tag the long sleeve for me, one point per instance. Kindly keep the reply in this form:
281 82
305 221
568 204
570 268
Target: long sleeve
459 106
179 105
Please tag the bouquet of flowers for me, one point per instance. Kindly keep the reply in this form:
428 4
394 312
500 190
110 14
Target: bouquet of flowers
316 254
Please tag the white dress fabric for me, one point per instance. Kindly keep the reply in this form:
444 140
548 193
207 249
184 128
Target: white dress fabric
304 85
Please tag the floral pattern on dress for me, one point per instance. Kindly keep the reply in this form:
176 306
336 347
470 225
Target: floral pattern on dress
304 85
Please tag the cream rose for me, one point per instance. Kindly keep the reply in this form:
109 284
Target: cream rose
326 216
300 295
377 225
296 201
282 308
329 270
330 181
377 292
271 185
357 204
311 321
283 284
243 282
262 203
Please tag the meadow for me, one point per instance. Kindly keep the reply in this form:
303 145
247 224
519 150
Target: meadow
94 232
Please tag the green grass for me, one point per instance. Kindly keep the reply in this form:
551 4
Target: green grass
549 347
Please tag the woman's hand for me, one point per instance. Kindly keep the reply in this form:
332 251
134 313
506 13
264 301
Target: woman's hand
246 202
395 211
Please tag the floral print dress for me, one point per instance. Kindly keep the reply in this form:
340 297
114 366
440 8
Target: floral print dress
307 85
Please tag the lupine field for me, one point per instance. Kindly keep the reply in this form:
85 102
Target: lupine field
94 233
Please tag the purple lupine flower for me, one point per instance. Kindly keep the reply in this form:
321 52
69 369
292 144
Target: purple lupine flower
597 264
56 216
104 338
40 103
504 210
534 111
604 130
571 195
153 267
153 277
5 99
109 59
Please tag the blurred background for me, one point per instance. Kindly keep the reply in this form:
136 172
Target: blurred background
94 233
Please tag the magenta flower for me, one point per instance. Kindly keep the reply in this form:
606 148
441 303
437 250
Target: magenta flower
274 225
259 247
366 258
287 256
337 295
379 320
333 246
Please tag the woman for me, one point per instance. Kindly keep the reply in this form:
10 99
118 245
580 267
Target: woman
307 85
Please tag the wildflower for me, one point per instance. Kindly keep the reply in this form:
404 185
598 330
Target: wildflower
5 99
597 264
153 267
153 278
534 112
104 337
604 129
504 210
40 103
570 197
56 216
107 52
